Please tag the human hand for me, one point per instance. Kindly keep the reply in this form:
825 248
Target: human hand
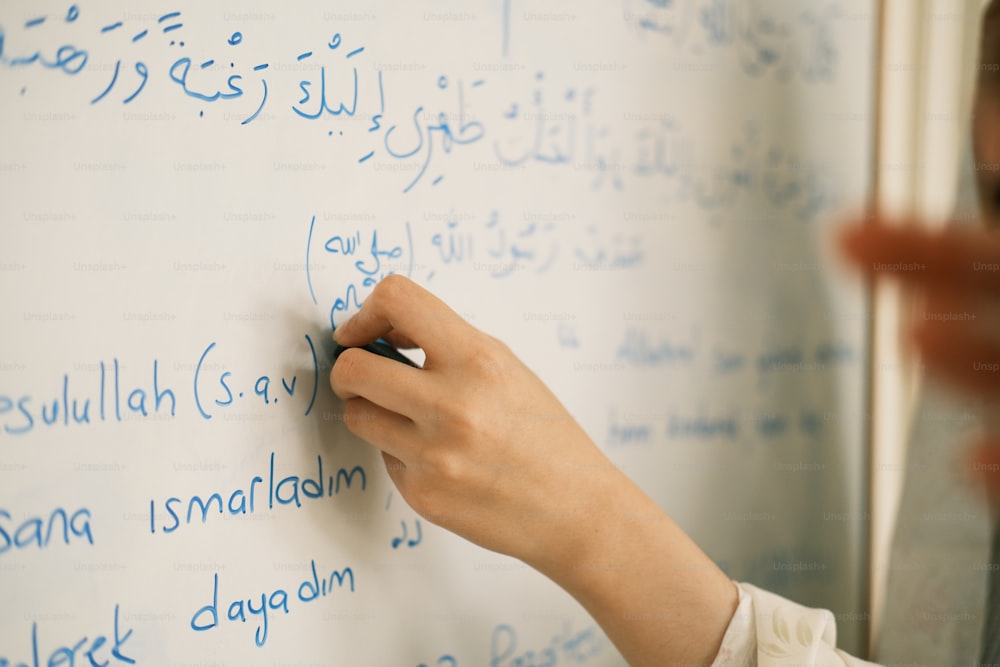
474 441
956 328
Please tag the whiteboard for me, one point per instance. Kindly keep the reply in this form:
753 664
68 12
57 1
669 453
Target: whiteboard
636 196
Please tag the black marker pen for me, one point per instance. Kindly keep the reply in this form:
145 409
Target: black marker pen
379 347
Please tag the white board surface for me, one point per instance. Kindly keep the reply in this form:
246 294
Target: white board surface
636 196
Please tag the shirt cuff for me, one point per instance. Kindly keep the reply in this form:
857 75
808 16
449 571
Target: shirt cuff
768 630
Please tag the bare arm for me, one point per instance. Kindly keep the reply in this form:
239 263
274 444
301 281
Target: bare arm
476 443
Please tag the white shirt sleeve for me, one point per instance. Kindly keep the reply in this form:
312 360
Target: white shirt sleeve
769 631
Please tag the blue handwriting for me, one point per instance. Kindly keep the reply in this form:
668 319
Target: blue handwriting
309 590
568 647
764 38
243 501
100 650
556 124
37 531
116 397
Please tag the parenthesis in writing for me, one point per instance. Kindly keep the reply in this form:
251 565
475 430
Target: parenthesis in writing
309 281
197 373
312 349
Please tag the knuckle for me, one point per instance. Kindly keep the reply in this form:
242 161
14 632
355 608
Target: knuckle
491 359
462 428
390 290
456 417
445 465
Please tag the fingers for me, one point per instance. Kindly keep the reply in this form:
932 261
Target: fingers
967 261
390 432
969 361
412 315
399 341
958 271
957 338
398 388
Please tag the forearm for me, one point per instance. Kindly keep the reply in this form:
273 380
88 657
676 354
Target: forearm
657 596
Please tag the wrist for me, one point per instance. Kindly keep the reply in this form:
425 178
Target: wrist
657 596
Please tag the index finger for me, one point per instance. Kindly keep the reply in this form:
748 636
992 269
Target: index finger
400 308
963 260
